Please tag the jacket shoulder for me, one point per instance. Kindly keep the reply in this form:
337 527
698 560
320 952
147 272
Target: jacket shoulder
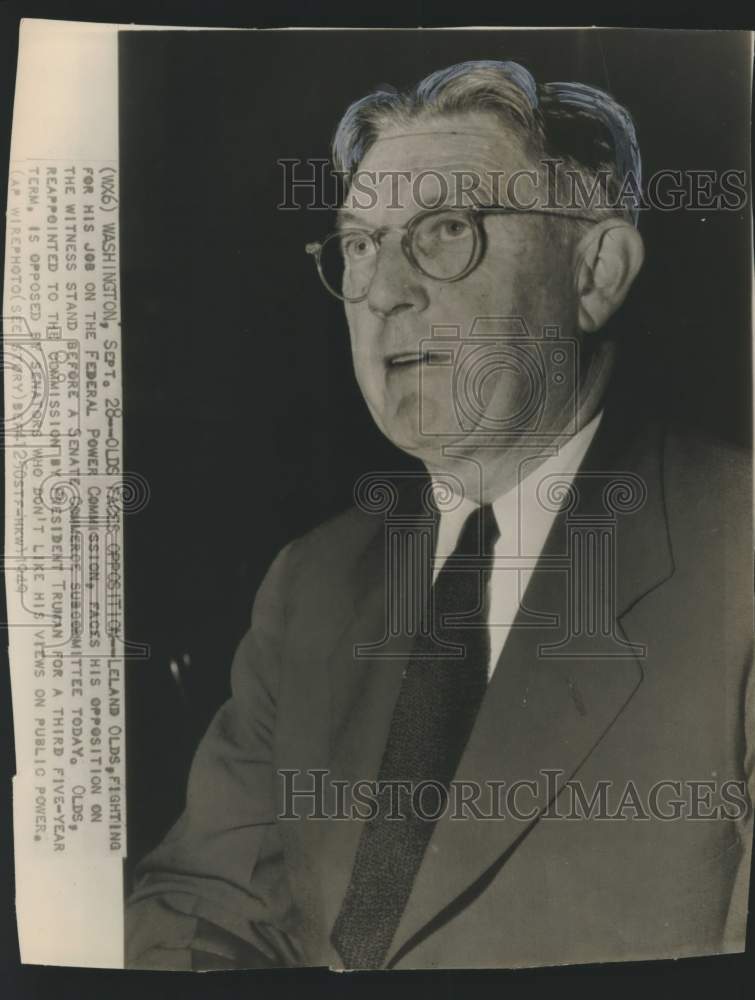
700 449
708 494
332 550
705 473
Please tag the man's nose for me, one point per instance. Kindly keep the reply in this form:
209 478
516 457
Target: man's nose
396 286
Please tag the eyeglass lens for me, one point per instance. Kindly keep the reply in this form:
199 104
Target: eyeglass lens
441 244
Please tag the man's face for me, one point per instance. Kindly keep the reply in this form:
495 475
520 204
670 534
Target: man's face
525 272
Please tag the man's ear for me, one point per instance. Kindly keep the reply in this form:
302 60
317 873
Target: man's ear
607 260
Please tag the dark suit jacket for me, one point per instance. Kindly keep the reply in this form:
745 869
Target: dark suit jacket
661 697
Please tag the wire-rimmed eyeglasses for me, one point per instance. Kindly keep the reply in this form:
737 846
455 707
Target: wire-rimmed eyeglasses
444 244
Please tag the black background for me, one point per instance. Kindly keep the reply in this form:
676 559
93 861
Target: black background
694 341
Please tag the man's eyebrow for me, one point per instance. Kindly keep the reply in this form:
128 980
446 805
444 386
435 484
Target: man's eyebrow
343 217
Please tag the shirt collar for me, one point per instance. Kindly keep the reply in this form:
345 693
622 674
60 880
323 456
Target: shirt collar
509 506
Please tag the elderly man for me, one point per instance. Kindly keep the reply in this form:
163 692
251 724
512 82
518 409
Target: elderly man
494 714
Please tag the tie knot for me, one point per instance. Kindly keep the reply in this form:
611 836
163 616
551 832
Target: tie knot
479 534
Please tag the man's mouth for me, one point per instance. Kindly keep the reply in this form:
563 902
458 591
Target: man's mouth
407 359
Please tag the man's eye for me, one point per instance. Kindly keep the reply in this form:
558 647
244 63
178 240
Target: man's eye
356 247
453 229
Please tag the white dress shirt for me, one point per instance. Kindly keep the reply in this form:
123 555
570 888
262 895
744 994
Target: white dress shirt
524 524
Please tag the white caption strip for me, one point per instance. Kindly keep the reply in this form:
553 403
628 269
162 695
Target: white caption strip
66 496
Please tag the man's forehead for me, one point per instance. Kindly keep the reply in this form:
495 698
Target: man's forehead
403 165
431 138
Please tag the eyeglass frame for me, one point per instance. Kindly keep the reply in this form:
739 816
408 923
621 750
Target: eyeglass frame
477 214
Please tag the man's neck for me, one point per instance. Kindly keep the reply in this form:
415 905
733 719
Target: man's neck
489 470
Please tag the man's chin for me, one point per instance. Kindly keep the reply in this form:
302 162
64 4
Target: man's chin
417 426
424 445
409 440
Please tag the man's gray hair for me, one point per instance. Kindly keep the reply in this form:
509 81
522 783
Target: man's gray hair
582 126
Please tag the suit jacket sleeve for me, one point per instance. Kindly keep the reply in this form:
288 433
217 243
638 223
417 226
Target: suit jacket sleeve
214 892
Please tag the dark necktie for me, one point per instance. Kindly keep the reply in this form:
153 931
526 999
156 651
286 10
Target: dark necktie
432 720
